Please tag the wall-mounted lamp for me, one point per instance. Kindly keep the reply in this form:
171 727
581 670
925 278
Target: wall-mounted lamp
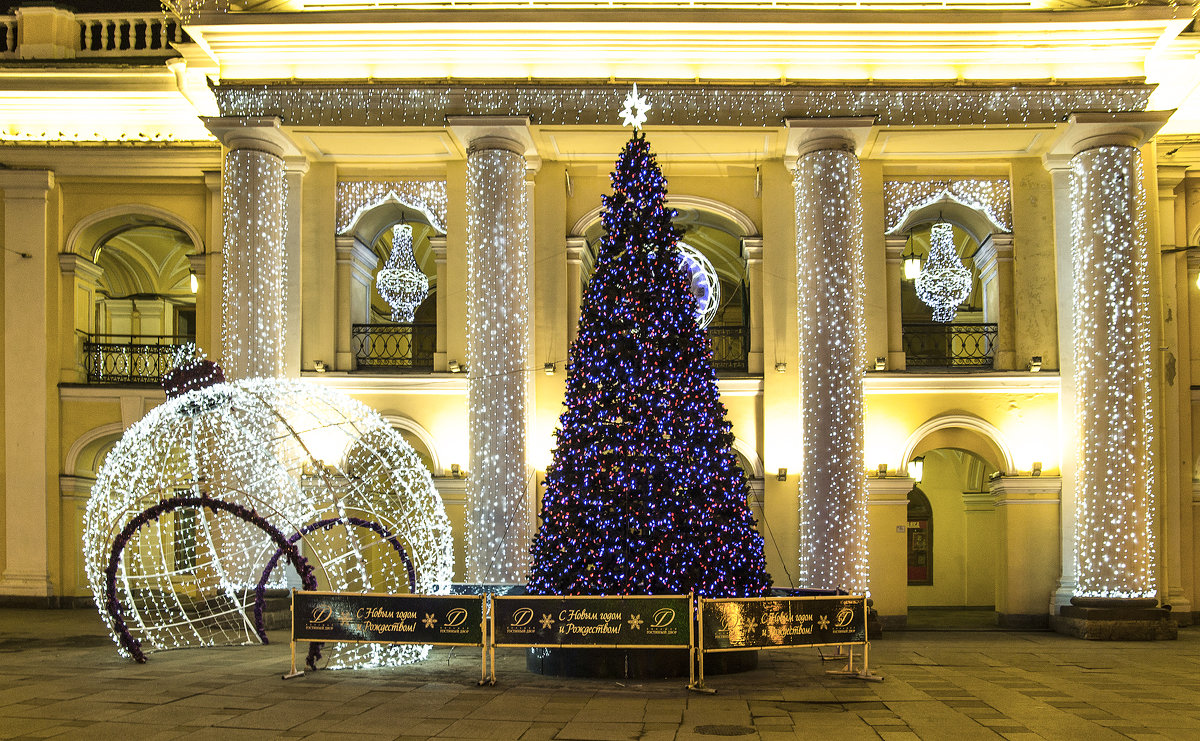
909 261
882 470
454 366
319 366
1036 469
550 368
195 283
781 367
1035 364
916 468
880 363
782 474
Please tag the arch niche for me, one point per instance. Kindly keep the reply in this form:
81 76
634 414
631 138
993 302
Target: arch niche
985 246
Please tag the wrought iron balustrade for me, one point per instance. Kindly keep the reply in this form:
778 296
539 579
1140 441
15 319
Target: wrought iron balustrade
394 347
949 346
124 358
730 346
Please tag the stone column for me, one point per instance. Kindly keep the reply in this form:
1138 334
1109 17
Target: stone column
994 260
1027 566
888 513
1115 486
355 261
77 317
829 278
437 245
499 502
208 301
894 244
1177 403
579 258
752 253
29 381
254 195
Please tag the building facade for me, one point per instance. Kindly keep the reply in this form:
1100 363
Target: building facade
233 175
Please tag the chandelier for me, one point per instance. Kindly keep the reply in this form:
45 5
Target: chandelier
944 282
400 282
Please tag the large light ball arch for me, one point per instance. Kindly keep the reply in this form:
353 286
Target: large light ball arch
300 460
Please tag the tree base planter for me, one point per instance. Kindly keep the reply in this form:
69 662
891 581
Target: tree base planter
632 663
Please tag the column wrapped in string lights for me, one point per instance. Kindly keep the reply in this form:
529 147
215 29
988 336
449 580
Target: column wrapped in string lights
829 259
499 522
1114 494
254 200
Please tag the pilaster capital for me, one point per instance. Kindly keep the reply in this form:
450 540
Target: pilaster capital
1169 178
255 133
73 265
26 183
437 245
197 263
996 248
807 135
212 180
1193 262
892 490
1014 490
507 133
752 249
576 247
893 245
1091 130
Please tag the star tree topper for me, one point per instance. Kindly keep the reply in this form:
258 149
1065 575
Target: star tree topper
634 112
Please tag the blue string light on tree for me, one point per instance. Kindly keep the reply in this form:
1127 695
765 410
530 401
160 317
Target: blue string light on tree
644 495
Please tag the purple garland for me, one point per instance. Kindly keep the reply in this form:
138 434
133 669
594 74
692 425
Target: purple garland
113 605
329 524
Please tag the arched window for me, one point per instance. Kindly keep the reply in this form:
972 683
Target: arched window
920 539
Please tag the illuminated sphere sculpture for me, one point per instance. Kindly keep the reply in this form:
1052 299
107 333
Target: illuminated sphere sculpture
705 285
198 507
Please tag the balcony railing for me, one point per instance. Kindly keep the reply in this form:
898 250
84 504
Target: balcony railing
123 358
403 348
127 34
958 347
731 346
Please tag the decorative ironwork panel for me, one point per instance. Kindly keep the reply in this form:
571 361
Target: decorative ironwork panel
730 346
950 346
110 358
406 348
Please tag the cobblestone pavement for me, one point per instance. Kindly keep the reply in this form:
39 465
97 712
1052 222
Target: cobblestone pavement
60 676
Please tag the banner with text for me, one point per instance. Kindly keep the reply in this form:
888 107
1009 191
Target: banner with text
442 620
617 622
782 621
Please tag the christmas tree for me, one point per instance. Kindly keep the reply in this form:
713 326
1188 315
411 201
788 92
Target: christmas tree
644 495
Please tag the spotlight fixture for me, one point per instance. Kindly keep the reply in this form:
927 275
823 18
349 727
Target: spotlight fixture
882 470
550 368
454 366
782 474
880 363
781 367
319 366
1036 469
1035 364
456 471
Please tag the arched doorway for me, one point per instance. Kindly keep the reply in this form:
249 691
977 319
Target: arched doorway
137 274
951 533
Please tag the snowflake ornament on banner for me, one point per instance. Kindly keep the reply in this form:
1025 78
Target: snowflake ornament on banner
944 282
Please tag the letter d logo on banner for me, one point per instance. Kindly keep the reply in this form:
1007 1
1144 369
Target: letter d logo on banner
456 617
522 617
663 617
321 614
